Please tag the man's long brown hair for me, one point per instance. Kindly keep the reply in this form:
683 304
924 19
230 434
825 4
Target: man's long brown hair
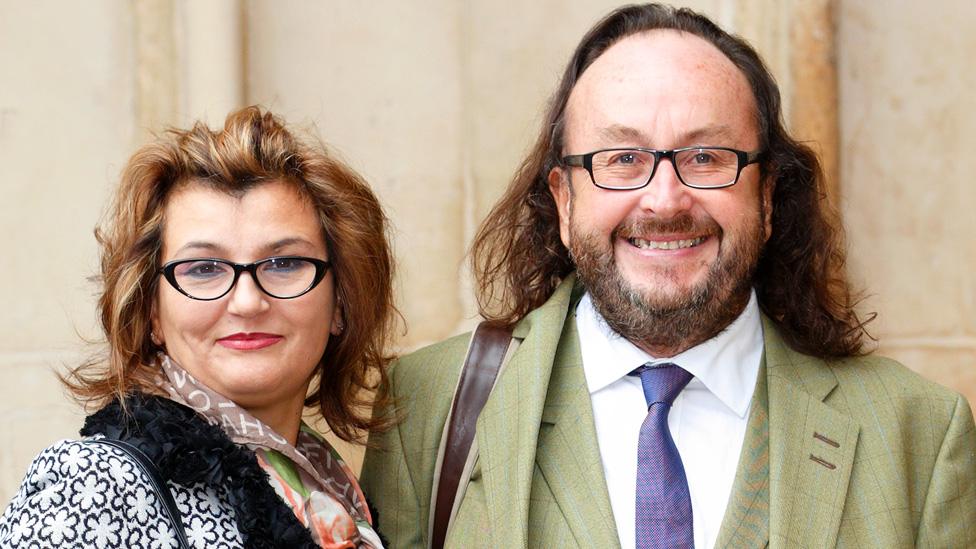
518 257
254 147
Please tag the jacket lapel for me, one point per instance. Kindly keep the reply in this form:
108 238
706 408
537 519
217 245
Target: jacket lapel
746 521
568 456
811 448
508 428
541 401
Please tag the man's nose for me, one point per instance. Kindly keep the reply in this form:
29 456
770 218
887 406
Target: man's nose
665 195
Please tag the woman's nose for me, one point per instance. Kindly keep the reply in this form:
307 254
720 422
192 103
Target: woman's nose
246 298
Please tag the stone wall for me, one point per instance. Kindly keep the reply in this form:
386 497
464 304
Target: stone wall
907 136
435 101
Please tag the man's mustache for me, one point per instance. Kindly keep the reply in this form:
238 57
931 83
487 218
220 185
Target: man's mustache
683 223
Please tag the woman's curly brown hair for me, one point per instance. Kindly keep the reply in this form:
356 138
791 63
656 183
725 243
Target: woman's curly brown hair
518 257
253 147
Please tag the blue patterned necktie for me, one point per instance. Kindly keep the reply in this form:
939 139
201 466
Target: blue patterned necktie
663 511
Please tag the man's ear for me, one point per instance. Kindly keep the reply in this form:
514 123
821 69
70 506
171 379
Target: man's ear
563 195
768 186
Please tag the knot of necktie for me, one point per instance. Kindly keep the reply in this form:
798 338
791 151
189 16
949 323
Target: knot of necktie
662 382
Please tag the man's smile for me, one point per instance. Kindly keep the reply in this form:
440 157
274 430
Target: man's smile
646 244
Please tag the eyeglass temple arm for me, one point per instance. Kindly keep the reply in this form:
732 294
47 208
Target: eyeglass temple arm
753 157
575 160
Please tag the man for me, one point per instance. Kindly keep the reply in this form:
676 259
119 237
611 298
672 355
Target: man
666 231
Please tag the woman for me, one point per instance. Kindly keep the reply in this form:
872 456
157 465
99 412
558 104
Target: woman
240 269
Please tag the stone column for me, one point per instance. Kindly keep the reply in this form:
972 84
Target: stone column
156 100
796 39
813 97
213 59
189 62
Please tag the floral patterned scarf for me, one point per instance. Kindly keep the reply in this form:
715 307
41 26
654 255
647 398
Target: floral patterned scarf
310 477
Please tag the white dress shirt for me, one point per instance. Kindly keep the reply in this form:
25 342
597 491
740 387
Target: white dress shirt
707 420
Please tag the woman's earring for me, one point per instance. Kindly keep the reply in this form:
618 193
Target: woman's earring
339 326
155 339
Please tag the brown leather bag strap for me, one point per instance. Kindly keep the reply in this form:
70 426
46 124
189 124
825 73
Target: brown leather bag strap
484 360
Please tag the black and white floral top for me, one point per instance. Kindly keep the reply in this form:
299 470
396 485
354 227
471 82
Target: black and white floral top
82 494
78 494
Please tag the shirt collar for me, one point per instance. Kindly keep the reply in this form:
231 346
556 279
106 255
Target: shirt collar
727 364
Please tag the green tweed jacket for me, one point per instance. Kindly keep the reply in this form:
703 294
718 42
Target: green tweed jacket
854 453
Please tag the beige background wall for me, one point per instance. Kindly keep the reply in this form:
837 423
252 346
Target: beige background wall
908 134
435 101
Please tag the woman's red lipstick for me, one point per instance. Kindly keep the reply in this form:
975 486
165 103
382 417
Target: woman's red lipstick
249 341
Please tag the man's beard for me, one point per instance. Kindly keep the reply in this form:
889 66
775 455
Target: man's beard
667 324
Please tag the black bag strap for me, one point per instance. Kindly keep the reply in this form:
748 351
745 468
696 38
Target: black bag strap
486 355
158 484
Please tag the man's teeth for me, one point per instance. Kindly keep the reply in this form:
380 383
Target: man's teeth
666 244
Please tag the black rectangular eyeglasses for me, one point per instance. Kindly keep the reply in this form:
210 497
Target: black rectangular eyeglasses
633 168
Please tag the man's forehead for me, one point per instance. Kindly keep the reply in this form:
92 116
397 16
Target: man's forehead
659 51
659 70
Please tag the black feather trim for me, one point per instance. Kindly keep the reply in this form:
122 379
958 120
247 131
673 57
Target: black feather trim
188 450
